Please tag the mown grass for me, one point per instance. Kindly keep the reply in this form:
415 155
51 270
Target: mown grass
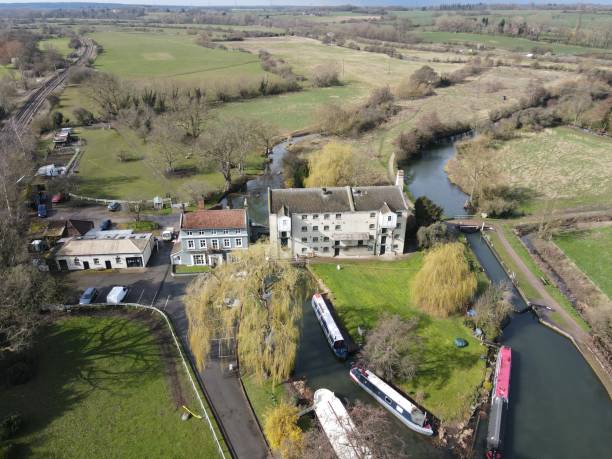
590 250
100 390
504 42
154 57
447 376
560 167
184 269
60 44
263 396
102 175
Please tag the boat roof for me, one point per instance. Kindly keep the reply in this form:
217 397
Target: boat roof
418 417
328 318
337 425
495 420
502 382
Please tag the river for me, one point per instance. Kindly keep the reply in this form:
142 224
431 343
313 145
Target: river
558 407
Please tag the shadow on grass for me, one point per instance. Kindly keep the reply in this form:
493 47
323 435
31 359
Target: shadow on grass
77 357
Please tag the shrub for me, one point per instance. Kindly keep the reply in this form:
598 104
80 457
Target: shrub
426 211
492 310
435 234
83 117
325 76
282 431
10 425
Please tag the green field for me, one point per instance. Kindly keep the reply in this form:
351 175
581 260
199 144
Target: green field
104 388
60 44
156 57
590 251
504 42
362 291
101 174
263 396
564 167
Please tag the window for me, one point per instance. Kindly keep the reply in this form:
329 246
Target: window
371 225
315 228
338 227
304 239
370 248
238 242
315 216
304 217
395 246
389 218
215 243
198 260
372 214
202 243
237 231
359 242
304 228
326 228
190 244
189 233
303 249
227 243
325 249
326 239
118 260
201 232
315 239
96 261
399 225
326 216
214 232
225 231
399 214
316 249
338 215
77 261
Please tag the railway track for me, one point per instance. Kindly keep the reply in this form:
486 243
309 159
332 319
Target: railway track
24 115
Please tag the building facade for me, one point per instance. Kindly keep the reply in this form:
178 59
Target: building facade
339 221
105 250
207 237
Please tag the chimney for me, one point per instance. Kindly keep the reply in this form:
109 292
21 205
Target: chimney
399 179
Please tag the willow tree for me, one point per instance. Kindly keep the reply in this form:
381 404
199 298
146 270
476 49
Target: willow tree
282 431
445 283
256 300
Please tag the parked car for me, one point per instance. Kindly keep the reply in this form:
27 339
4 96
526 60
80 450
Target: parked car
89 295
59 197
106 225
42 210
113 206
117 294
167 234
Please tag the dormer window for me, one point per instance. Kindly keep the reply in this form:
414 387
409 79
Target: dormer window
189 233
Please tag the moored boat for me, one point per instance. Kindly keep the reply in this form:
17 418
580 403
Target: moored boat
500 396
330 328
397 403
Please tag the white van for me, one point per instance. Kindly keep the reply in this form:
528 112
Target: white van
116 295
167 234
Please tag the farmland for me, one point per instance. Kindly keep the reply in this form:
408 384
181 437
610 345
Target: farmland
59 44
105 387
590 250
362 291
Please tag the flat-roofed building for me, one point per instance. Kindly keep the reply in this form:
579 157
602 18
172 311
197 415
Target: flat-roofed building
339 221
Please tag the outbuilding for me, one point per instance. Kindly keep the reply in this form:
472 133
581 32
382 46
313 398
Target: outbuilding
105 250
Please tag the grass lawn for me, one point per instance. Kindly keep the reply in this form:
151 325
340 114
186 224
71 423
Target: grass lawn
105 388
263 396
149 56
60 44
363 290
503 42
184 269
561 166
102 175
527 289
591 251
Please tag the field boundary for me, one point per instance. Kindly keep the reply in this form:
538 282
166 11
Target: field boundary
185 365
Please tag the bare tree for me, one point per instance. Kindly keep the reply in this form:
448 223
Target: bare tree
227 143
392 348
109 94
192 113
167 148
265 133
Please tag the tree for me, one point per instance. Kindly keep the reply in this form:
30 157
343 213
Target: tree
434 234
166 145
57 119
256 300
492 309
445 283
192 113
109 93
196 190
282 431
83 116
265 133
226 143
426 212
392 348
338 165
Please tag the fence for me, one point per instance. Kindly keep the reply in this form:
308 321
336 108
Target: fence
165 201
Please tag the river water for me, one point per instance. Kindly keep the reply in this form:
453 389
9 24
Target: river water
558 408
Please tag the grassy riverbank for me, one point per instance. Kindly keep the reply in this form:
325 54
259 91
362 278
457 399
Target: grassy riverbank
447 377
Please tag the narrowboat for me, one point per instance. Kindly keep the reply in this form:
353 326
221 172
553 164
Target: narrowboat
398 404
499 403
330 328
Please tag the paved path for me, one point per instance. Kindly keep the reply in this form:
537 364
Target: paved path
581 337
224 390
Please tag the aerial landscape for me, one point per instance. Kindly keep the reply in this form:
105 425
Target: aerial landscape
316 230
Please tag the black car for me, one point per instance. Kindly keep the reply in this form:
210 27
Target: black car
89 295
113 206
106 225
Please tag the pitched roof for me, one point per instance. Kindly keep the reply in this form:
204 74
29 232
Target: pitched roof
78 227
224 218
345 199
100 245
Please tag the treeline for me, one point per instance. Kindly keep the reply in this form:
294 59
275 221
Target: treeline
423 81
20 48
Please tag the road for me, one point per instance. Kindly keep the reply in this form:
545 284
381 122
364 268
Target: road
154 285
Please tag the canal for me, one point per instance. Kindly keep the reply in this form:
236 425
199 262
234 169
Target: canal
558 408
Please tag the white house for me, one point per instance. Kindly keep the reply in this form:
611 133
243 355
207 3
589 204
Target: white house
105 250
339 221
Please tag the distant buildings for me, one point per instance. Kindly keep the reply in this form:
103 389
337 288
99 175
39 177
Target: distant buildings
207 237
339 221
